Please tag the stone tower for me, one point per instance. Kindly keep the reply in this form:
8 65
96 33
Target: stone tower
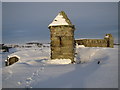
62 37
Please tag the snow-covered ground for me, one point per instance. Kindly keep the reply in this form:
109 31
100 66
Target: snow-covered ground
36 70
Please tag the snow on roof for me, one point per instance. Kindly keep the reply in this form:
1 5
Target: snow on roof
60 19
107 36
86 38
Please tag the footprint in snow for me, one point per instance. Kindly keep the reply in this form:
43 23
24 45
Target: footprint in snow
33 77
28 82
29 79
19 83
27 86
42 68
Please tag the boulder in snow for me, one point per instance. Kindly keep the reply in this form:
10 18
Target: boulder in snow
11 60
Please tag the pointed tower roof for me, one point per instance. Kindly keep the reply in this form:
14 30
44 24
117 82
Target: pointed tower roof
61 19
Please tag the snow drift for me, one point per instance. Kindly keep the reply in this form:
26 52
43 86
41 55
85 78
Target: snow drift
36 70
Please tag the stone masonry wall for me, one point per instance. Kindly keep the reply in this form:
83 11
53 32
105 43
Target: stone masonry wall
92 42
62 42
106 42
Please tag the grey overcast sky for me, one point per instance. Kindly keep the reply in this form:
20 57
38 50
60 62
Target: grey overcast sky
60 0
28 21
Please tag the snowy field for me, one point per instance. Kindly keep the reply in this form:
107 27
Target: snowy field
36 70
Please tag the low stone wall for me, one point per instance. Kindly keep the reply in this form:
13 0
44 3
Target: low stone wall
92 42
106 42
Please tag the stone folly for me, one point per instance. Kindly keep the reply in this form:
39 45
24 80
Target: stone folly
62 37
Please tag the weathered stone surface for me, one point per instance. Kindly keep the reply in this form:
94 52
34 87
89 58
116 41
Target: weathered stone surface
62 44
108 41
61 31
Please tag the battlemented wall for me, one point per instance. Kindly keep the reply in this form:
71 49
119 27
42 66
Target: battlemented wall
108 41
